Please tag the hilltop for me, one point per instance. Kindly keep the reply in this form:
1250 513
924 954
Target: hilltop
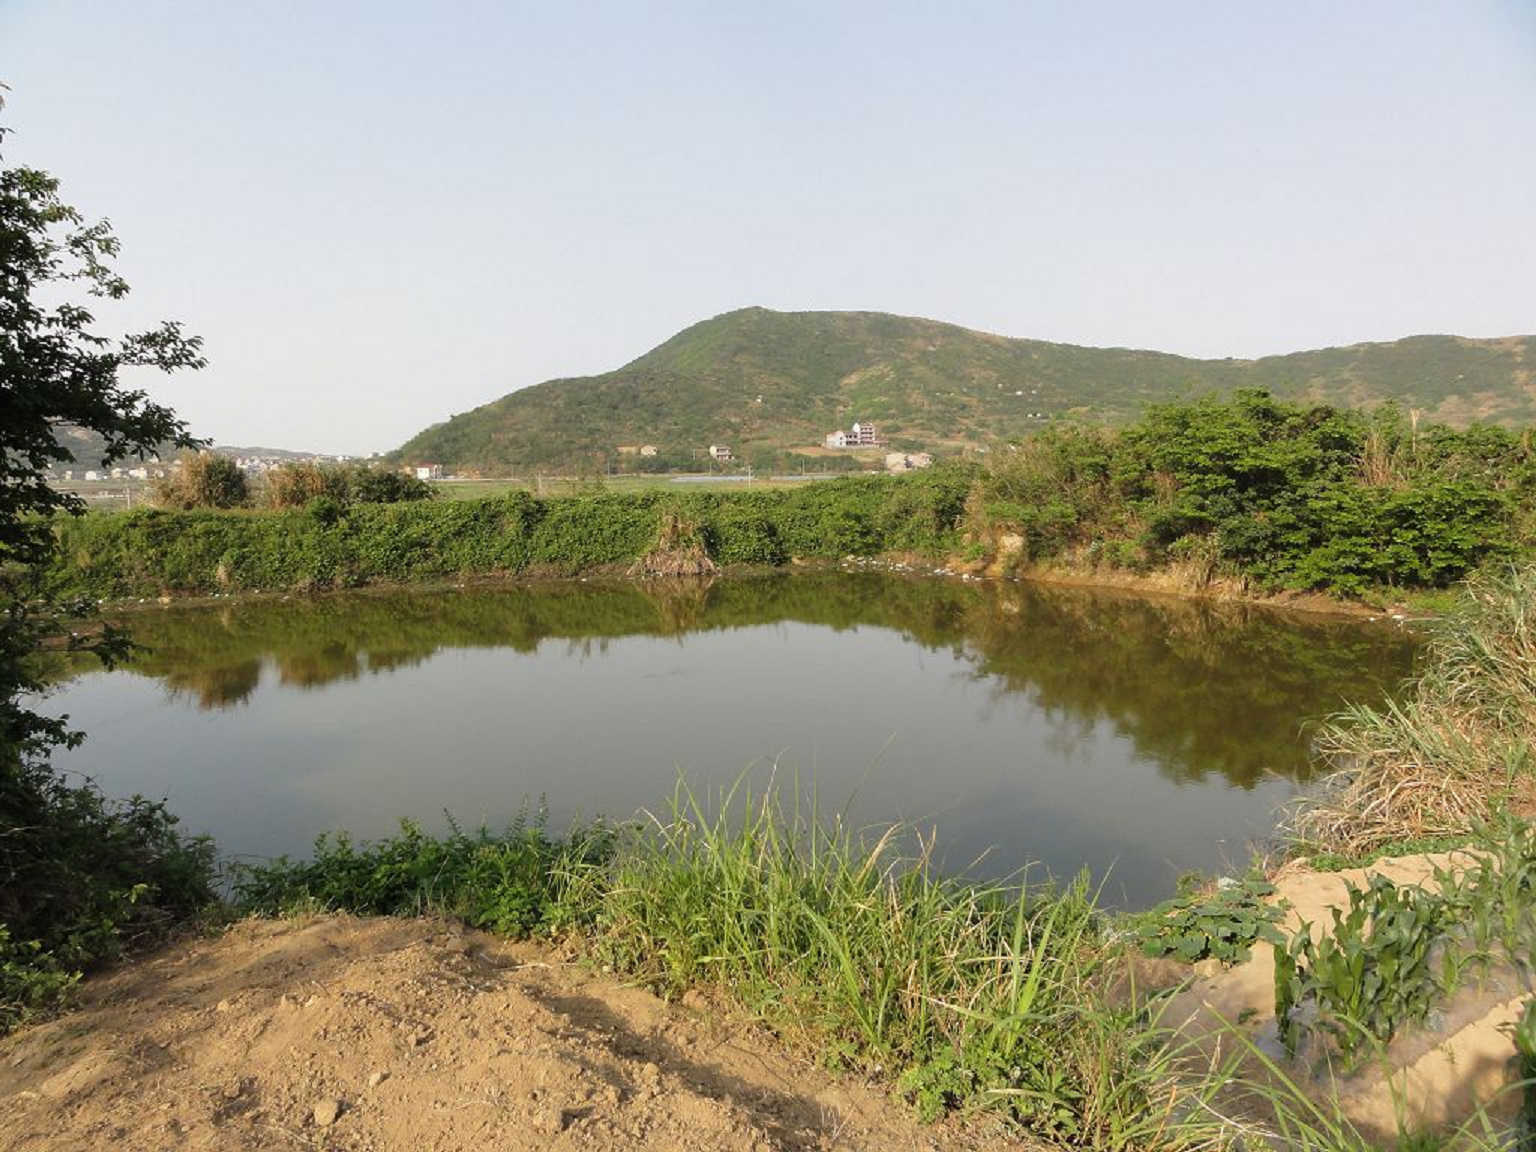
774 383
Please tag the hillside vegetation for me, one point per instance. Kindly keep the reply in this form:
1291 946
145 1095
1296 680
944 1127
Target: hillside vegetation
773 384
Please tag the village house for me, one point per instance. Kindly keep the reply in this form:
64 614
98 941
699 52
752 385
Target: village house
429 472
860 436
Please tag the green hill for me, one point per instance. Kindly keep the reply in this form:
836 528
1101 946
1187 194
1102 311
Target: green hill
771 383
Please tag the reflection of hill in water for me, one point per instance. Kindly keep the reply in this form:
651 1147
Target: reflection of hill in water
1199 688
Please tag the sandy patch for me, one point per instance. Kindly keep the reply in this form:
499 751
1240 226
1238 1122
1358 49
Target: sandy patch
1432 1076
373 1034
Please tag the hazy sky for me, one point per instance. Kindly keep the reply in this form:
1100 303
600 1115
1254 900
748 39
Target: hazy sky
378 214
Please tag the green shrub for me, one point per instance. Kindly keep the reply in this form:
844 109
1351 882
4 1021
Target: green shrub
1397 950
1286 496
81 878
511 882
1372 973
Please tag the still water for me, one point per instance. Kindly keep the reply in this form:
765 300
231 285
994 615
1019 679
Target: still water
1135 737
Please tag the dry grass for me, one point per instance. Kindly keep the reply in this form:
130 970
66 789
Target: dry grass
1456 750
679 550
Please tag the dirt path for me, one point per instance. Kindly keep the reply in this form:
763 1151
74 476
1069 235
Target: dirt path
345 1033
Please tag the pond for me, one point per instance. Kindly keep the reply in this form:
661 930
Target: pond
1065 728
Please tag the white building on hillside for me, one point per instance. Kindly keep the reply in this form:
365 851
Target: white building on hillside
860 436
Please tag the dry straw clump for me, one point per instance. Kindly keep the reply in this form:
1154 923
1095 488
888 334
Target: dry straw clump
1458 747
679 549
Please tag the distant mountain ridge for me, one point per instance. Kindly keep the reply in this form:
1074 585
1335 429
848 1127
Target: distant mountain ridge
87 449
771 383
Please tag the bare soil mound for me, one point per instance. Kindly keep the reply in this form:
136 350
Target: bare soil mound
367 1034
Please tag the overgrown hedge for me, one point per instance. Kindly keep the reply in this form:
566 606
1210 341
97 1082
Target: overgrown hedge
324 545
1284 496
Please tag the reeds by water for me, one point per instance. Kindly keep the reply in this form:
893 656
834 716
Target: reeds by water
1457 749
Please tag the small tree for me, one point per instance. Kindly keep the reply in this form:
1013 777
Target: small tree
77 871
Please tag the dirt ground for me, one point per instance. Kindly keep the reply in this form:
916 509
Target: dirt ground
368 1034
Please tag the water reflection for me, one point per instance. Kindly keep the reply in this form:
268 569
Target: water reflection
1133 736
1201 688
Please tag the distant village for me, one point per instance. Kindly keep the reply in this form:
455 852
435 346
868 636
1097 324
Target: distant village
860 436
153 468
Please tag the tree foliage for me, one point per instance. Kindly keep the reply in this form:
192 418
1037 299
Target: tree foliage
79 873
55 369
1284 495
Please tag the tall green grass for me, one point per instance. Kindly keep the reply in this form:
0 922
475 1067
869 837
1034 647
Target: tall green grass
1014 999
1003 997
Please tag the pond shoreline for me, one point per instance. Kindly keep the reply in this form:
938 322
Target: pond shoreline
1170 586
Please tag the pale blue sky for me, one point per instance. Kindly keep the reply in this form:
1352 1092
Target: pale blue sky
379 214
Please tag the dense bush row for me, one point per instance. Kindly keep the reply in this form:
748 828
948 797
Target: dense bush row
1284 495
208 480
326 545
